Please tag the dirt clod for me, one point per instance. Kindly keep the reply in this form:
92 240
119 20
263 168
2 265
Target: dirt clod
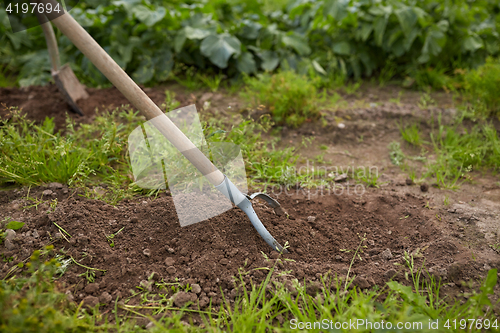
105 298
90 301
424 187
92 288
386 254
47 192
10 234
147 252
409 181
196 288
361 282
182 297
171 270
169 262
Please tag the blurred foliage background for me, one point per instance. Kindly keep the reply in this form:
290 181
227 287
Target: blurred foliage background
422 43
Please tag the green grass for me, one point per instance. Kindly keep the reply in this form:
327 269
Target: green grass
481 88
32 302
452 152
411 134
290 98
96 154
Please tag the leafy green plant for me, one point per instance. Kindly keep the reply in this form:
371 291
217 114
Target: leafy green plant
111 237
353 38
481 87
290 98
411 134
395 153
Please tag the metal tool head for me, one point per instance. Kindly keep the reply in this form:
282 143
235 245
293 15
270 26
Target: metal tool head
157 164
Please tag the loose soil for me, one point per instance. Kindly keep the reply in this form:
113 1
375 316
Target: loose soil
322 229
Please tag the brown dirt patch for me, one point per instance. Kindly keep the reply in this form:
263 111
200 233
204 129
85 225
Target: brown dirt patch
211 252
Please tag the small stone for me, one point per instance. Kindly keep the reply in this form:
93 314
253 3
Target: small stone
169 261
144 202
47 192
171 250
55 185
182 298
196 288
9 245
338 257
409 181
57 235
424 187
341 125
390 274
204 301
105 298
311 218
91 288
361 283
35 234
90 301
224 261
148 285
313 289
371 242
386 254
279 211
69 296
171 270
146 252
10 234
340 178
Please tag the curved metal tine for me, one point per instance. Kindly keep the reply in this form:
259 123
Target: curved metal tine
270 201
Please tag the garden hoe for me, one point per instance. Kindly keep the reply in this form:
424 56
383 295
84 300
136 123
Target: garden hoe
163 124
67 83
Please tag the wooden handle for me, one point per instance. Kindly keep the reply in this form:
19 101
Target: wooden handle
50 38
96 54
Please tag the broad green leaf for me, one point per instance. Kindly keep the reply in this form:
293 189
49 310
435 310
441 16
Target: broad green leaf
297 42
270 60
490 282
164 61
407 19
364 32
196 33
318 67
179 41
380 10
380 24
14 225
343 48
219 48
433 45
407 293
145 71
250 29
472 43
336 8
147 16
408 41
246 63
129 5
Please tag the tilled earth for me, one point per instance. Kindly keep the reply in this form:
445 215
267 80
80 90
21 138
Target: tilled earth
150 249
323 232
